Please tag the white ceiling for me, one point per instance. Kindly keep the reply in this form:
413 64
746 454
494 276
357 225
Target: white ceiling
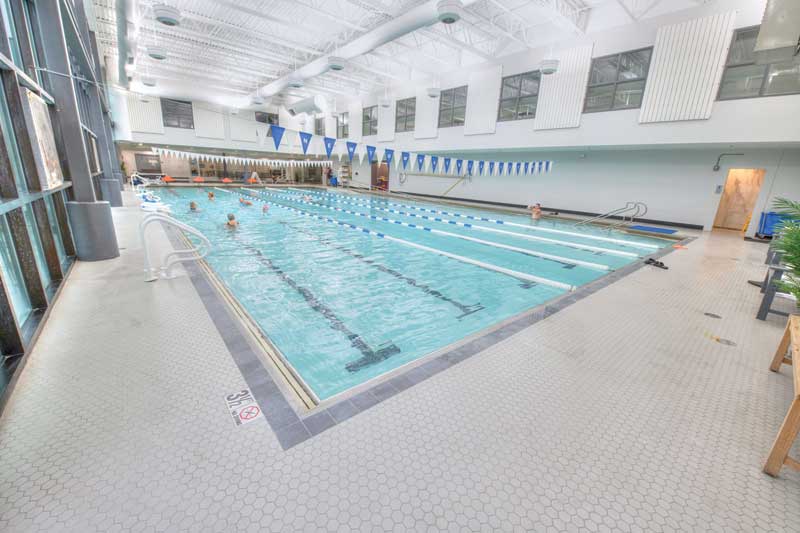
226 50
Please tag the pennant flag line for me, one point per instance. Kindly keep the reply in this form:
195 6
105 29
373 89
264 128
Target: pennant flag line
329 144
305 140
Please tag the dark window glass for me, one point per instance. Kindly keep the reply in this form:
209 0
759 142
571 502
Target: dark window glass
405 115
343 126
177 114
369 121
743 78
519 96
617 81
319 126
452 107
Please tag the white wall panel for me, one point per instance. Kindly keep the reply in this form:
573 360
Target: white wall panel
482 97
208 122
687 65
244 127
386 119
426 121
354 112
145 117
561 95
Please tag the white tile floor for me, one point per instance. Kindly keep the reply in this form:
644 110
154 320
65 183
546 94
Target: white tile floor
620 412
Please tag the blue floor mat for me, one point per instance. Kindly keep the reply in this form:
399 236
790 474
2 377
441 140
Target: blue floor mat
654 230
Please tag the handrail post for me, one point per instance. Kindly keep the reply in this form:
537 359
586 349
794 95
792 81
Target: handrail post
152 274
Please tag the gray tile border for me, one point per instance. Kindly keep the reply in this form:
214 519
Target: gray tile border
292 428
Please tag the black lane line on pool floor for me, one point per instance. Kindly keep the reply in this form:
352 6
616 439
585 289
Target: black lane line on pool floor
292 428
369 356
464 308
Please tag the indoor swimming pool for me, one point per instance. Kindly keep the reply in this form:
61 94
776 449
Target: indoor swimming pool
349 286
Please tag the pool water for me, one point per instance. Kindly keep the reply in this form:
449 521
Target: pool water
350 286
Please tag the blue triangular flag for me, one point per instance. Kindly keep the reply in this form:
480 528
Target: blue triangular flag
548 165
481 164
541 166
351 149
527 166
434 162
329 145
277 134
370 153
446 165
420 161
500 167
459 165
404 157
470 166
305 139
519 166
491 167
388 154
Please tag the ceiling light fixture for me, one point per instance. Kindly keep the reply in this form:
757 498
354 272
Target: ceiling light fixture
549 66
148 82
449 11
157 52
167 15
336 63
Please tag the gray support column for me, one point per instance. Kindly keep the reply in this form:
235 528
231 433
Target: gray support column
24 39
10 335
48 241
26 257
97 241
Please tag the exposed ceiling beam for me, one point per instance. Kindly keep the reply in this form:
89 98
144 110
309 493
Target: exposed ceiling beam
263 14
333 17
621 3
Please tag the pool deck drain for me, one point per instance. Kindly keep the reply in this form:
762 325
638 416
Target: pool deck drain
292 425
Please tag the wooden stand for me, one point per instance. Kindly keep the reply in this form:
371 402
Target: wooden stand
779 455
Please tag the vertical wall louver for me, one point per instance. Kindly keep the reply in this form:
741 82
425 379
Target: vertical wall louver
688 61
562 94
482 96
145 117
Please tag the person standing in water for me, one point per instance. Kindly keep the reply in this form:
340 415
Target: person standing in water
265 209
193 207
211 195
536 211
232 223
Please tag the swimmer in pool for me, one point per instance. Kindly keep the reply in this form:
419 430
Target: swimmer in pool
536 211
211 195
245 202
232 223
265 209
193 207
307 198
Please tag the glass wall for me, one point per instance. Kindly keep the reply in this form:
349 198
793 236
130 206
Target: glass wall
11 143
55 230
36 244
12 273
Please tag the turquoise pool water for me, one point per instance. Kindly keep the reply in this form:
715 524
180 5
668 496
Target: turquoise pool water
349 286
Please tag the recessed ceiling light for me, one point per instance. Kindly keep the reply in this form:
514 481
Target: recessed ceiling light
157 52
296 82
148 82
336 63
549 66
167 15
449 11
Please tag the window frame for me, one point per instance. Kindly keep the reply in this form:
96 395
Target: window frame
343 125
617 81
453 107
518 96
369 125
319 126
164 115
728 65
405 117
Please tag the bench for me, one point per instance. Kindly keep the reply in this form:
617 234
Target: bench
779 454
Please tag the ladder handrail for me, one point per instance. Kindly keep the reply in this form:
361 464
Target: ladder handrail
630 210
176 256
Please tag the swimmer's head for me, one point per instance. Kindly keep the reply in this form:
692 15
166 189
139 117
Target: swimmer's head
231 216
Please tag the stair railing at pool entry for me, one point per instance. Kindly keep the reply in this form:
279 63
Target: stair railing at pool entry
628 213
177 256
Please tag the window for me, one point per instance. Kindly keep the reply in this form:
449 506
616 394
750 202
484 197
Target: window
54 229
617 81
11 32
404 116
10 139
343 126
319 126
744 79
267 118
36 244
369 121
452 107
177 114
519 96
15 283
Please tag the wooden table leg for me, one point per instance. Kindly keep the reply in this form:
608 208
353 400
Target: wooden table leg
783 347
783 442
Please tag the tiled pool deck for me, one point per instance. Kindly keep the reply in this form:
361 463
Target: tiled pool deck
620 412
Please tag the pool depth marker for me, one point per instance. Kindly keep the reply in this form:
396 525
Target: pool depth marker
487 266
496 221
568 244
526 251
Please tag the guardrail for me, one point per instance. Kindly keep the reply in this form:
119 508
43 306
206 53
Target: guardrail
173 258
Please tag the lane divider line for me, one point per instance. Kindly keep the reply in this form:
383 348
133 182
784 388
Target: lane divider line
568 244
487 266
500 221
526 251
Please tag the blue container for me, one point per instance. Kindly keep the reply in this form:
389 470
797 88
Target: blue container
769 221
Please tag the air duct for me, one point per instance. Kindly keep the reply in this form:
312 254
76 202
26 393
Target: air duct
126 37
310 105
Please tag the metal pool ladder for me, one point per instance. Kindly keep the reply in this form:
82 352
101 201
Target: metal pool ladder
194 253
628 213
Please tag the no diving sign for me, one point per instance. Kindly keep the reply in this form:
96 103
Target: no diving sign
243 407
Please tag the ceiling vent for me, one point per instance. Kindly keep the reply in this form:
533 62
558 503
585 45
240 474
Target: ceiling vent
167 15
548 66
148 82
336 63
296 82
449 11
157 52
433 92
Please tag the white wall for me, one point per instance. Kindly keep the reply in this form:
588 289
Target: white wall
678 185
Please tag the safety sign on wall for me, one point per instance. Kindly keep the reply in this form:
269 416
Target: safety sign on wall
243 407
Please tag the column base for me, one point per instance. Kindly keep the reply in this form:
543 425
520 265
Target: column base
93 230
111 191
